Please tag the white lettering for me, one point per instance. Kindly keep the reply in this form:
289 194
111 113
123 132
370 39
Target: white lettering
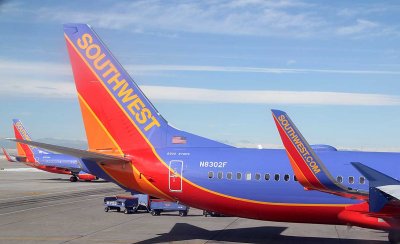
213 164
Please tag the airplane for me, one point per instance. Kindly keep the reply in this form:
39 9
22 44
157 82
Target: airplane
132 145
45 160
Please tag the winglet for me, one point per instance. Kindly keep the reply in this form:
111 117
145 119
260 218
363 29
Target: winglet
307 166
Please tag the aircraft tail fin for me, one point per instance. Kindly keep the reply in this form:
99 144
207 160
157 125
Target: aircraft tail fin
307 166
8 157
25 151
114 109
118 116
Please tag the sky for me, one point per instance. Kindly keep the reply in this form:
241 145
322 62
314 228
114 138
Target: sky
216 68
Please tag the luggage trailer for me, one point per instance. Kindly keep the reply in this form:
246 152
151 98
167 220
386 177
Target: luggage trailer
133 203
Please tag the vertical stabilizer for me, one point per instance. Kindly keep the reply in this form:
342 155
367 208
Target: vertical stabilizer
8 157
117 115
25 151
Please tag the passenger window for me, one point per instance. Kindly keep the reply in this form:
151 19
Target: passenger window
295 178
286 177
339 179
351 179
238 176
266 176
248 176
277 176
210 175
220 175
229 175
257 176
362 180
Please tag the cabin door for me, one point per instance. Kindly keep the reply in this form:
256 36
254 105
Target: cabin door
175 175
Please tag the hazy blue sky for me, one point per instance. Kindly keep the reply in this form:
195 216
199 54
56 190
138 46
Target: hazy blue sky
216 68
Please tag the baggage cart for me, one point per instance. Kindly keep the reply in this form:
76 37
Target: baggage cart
158 206
129 204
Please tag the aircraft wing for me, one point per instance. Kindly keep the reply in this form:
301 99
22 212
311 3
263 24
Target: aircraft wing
307 166
82 154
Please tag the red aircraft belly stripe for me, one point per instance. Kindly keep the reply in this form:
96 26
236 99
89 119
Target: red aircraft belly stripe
259 210
51 169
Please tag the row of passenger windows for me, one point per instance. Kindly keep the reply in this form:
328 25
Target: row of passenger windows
351 179
248 176
276 177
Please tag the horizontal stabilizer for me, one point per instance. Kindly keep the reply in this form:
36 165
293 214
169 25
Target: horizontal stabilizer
375 177
382 188
392 190
83 154
377 200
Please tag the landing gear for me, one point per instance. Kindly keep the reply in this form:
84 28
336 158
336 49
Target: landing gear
73 178
394 237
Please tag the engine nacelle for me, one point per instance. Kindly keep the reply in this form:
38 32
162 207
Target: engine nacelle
359 215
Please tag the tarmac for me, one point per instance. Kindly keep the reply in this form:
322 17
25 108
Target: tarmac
40 207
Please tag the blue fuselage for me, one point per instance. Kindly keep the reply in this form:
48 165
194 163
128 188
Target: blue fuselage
266 174
62 161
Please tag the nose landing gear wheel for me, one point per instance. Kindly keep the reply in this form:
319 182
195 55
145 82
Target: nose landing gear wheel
73 179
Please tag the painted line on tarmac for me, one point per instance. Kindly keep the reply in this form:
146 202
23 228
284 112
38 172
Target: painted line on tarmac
20 170
33 238
103 229
53 205
57 192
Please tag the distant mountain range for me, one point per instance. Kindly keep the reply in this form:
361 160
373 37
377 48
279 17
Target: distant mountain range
61 142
